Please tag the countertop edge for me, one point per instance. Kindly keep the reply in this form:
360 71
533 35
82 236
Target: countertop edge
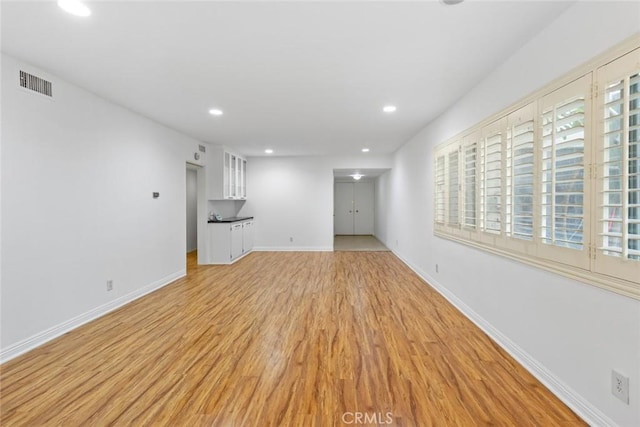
230 220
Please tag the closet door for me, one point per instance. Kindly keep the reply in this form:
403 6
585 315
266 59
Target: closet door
343 208
363 208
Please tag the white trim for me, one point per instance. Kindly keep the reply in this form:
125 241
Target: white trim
293 249
40 338
582 407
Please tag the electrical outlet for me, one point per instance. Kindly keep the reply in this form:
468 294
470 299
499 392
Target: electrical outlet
620 386
109 285
436 268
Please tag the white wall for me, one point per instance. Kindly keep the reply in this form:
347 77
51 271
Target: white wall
77 179
570 334
381 197
192 210
292 197
225 208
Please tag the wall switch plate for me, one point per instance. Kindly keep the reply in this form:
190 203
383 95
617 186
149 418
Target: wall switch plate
436 268
620 386
291 239
109 285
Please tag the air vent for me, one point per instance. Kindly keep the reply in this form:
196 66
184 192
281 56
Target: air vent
36 84
202 148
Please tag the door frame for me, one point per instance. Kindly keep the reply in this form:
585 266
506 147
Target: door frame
353 183
202 216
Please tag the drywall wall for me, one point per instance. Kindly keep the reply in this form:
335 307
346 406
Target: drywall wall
381 196
78 175
569 333
192 210
292 199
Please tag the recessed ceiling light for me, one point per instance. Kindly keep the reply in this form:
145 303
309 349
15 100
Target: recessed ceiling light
451 2
389 108
268 151
357 176
365 150
215 112
74 7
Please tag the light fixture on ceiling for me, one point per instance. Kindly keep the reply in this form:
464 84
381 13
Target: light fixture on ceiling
451 2
215 112
74 7
357 176
268 151
389 108
365 150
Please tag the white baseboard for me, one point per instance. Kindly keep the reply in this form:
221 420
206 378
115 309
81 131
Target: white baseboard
566 394
42 337
293 249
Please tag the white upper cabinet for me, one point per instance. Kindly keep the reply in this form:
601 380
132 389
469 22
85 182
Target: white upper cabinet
226 175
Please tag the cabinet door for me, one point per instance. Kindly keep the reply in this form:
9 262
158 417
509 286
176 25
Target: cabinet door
239 179
226 176
236 240
233 177
247 236
243 173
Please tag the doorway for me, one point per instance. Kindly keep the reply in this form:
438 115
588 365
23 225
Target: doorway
354 208
192 209
195 219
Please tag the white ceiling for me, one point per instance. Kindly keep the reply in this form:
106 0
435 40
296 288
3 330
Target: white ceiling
302 78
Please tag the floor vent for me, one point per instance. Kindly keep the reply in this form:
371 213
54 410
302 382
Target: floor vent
35 83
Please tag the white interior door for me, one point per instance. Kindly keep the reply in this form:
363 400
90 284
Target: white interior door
343 208
363 204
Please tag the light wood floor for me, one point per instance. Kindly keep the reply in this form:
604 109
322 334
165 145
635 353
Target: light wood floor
279 339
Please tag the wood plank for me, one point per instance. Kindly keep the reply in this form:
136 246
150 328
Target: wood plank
279 339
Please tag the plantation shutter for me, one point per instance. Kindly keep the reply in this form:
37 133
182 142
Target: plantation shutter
470 152
454 184
618 229
562 187
440 189
520 173
491 180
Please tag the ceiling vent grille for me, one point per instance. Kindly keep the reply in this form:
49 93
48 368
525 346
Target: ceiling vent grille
35 83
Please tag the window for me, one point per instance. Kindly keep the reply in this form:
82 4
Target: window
520 173
563 173
555 180
440 190
618 169
491 179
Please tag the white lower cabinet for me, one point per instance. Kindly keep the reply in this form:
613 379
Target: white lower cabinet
229 240
236 240
247 236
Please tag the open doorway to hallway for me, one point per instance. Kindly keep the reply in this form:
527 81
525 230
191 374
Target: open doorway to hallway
192 208
354 210
196 214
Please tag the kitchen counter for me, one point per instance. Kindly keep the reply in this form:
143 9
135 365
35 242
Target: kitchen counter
232 219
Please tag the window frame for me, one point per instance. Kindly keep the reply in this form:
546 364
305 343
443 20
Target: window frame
588 264
617 69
